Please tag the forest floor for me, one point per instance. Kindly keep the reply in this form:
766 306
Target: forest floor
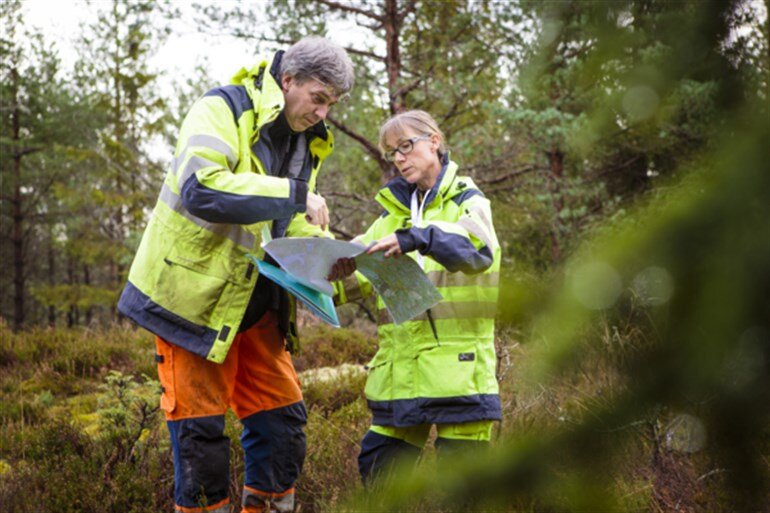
80 428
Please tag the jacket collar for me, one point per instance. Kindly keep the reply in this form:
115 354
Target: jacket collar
396 195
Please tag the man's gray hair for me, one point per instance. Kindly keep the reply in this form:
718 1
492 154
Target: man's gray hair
317 57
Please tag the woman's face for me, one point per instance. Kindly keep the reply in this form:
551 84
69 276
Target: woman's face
421 165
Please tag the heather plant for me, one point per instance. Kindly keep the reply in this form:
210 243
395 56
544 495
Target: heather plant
80 422
331 470
323 346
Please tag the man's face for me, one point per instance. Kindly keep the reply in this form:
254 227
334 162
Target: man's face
307 102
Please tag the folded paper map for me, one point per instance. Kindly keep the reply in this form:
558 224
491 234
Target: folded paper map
319 303
403 287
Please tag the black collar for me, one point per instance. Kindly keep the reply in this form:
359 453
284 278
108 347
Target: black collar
402 190
280 128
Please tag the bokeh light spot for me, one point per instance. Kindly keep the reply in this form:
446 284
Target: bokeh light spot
596 285
653 286
686 433
640 103
747 362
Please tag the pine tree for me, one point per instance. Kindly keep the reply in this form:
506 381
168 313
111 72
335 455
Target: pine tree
41 130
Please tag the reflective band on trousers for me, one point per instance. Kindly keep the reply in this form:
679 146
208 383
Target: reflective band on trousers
221 507
457 310
230 231
278 502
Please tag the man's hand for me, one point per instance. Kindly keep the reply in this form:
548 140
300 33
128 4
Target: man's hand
387 244
342 268
316 212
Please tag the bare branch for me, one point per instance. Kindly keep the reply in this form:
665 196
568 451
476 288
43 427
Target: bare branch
365 53
507 188
374 27
459 31
410 87
363 141
341 232
26 151
289 42
51 214
278 40
349 8
624 165
347 195
574 52
507 176
451 112
368 313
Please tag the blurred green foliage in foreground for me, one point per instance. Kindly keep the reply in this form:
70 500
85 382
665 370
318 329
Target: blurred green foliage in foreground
634 375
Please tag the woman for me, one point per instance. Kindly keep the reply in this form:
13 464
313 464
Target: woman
438 368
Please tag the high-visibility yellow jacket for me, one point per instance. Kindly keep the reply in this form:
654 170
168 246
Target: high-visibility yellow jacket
190 282
439 367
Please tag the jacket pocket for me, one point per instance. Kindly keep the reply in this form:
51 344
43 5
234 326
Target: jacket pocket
189 290
165 359
379 382
447 371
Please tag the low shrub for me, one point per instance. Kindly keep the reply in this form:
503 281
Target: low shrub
331 388
330 473
324 346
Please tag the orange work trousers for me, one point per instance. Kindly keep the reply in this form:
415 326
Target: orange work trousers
258 382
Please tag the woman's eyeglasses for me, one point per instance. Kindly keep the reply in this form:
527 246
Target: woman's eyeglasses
404 147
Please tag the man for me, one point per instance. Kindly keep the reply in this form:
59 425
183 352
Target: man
246 160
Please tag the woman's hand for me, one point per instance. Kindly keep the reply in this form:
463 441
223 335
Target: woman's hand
342 268
387 244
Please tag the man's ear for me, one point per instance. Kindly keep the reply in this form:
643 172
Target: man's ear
286 81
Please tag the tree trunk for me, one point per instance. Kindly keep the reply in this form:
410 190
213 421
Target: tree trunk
17 239
72 313
51 279
555 175
392 25
87 282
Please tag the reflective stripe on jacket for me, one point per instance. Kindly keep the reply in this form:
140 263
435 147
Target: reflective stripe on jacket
191 281
440 366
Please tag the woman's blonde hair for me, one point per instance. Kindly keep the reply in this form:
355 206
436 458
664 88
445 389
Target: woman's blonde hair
418 120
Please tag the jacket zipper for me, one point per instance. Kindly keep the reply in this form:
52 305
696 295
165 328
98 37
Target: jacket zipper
433 326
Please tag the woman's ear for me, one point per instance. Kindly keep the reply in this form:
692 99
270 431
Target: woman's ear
435 142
